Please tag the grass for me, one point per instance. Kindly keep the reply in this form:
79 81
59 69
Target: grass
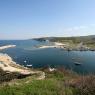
54 84
60 82
37 87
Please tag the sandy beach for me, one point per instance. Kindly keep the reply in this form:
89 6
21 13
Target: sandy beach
59 44
43 47
56 45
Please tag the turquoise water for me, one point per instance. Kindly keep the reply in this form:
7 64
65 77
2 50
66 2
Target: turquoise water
26 50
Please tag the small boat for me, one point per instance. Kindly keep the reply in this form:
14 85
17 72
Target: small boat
29 65
77 63
25 61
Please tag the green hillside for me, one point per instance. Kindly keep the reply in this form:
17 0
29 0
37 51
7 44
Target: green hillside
60 82
89 41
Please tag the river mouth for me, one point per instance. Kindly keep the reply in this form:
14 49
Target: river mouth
24 53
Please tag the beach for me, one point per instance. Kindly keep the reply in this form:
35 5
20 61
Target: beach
55 45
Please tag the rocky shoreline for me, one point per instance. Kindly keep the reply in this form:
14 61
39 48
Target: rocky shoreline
7 46
66 47
9 66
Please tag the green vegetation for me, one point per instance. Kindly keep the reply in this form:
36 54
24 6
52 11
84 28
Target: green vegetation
72 42
37 87
52 85
60 82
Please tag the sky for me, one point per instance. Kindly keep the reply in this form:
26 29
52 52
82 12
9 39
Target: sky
25 19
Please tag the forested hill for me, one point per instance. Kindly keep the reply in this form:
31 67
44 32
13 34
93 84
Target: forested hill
87 40
77 38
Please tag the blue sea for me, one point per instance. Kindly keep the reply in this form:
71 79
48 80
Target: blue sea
26 50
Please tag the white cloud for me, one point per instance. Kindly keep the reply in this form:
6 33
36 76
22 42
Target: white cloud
78 30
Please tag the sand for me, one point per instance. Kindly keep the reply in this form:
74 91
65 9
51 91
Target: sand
56 45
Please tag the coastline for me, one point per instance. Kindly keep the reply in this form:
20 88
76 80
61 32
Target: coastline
68 47
43 47
56 45
9 66
7 46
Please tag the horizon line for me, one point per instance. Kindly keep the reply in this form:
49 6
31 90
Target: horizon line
46 37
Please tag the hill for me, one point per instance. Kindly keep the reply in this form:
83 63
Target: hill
72 42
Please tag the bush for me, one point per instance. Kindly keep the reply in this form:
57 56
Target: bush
85 85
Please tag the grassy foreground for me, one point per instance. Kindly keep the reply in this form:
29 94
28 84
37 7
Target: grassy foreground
60 82
38 87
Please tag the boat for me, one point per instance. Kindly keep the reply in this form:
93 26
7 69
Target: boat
29 65
25 61
77 63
